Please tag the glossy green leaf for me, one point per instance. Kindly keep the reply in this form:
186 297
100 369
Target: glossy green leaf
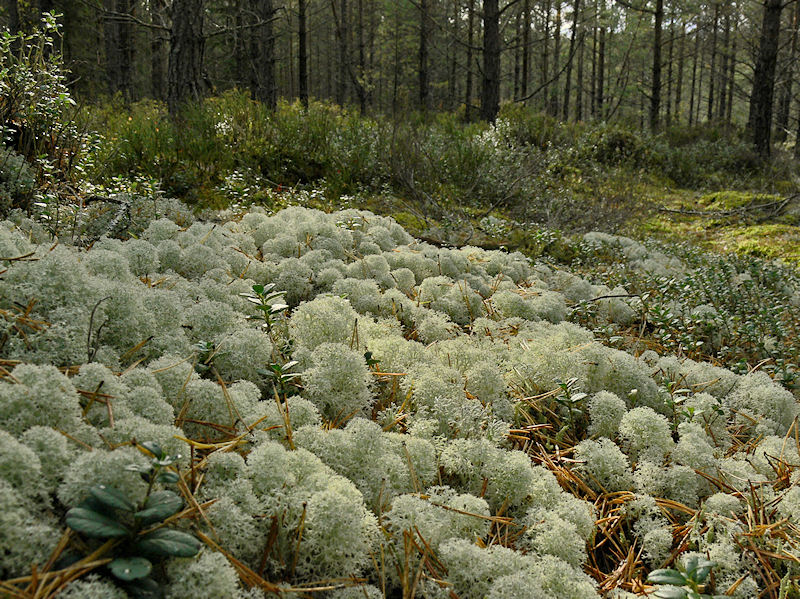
667 576
144 588
130 568
168 477
111 497
166 542
153 448
671 593
160 505
92 524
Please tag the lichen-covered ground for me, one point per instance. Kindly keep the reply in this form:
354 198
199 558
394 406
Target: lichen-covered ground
415 421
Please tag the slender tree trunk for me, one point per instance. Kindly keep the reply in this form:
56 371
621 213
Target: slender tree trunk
517 55
185 72
655 91
158 76
470 42
782 121
526 51
302 52
670 54
344 52
722 107
694 77
573 37
579 86
760 121
451 87
546 55
490 88
424 34
713 74
554 100
731 77
601 68
396 70
13 22
362 61
679 77
119 49
262 77
593 109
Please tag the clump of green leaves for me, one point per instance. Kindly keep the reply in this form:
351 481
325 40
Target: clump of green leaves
136 534
687 582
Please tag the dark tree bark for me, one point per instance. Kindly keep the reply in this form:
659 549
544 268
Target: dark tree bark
554 100
655 90
362 61
694 77
601 69
342 35
526 51
579 88
576 10
490 88
302 52
546 55
670 55
424 34
158 51
451 84
517 54
760 121
187 45
470 42
714 75
787 81
679 77
12 6
262 47
722 104
119 48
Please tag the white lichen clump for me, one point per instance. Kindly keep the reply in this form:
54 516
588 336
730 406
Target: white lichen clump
382 411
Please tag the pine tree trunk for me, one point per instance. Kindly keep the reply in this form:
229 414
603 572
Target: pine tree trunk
670 52
157 51
601 69
490 88
655 90
713 75
424 34
262 75
526 51
694 77
554 100
576 9
679 77
302 52
185 72
782 120
470 42
760 121
579 86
